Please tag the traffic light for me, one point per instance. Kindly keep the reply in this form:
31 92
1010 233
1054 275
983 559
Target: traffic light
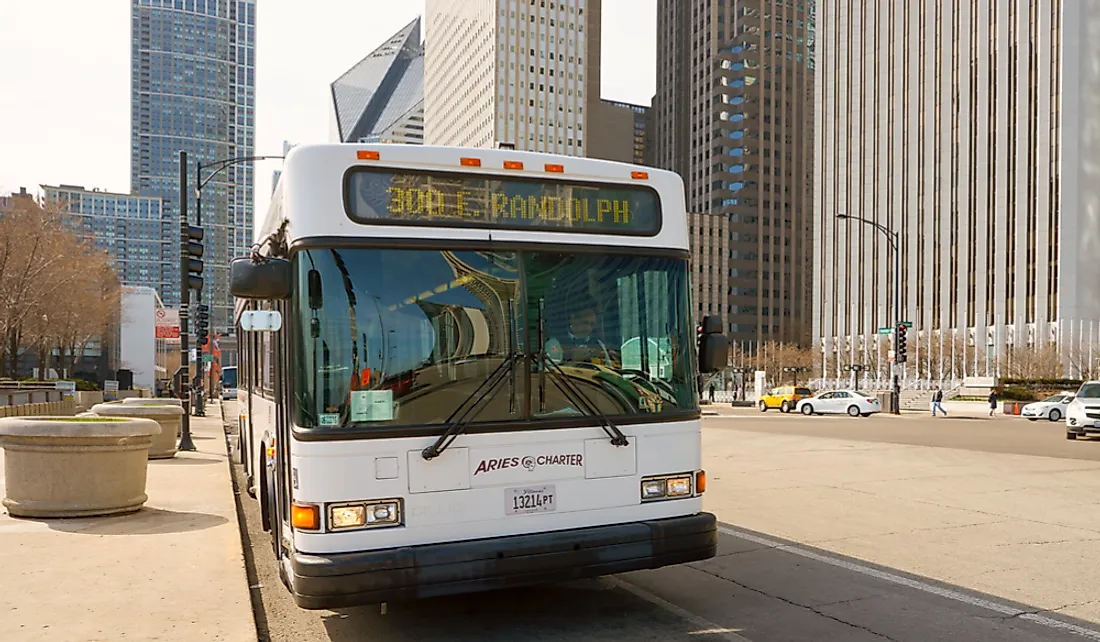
193 257
202 324
902 328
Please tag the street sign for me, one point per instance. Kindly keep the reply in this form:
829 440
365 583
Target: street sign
167 323
886 331
207 358
907 324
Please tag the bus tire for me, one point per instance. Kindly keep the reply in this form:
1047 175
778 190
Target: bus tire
264 496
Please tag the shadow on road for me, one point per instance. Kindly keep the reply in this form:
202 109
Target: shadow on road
590 610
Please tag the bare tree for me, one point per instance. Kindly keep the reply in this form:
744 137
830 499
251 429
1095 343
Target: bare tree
1040 361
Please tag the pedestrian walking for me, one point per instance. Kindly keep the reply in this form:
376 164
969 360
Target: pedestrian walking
937 402
992 402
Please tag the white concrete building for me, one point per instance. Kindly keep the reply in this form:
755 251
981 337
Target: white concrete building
973 128
137 335
512 71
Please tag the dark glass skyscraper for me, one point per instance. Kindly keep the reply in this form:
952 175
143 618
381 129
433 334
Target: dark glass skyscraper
193 89
733 115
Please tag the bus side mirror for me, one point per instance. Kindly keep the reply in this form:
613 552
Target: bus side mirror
713 346
261 321
265 281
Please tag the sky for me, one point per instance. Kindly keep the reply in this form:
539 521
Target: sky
65 68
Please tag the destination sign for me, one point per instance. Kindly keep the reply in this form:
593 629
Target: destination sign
470 200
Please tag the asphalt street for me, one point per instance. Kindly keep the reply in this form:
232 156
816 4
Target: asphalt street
884 528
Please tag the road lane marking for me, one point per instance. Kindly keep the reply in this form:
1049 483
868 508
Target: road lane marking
996 607
706 627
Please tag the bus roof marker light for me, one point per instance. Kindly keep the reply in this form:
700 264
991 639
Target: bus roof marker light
557 169
471 162
513 164
639 175
367 154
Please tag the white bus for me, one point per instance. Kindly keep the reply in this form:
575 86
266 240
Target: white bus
441 382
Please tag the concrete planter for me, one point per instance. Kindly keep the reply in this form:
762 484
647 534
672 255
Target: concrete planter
75 466
165 444
153 401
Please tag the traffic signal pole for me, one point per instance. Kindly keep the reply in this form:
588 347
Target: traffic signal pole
185 300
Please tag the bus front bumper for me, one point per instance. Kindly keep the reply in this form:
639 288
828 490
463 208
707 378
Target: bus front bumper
433 570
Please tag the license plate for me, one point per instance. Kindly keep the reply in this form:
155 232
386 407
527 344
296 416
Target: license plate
529 499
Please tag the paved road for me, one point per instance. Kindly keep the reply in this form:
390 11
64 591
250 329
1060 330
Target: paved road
1001 434
823 539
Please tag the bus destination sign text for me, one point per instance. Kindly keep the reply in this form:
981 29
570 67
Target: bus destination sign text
467 200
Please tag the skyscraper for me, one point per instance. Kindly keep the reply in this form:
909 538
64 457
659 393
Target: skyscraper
620 132
512 71
733 116
381 98
964 127
193 89
127 227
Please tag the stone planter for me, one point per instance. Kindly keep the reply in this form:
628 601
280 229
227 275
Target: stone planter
152 401
169 417
75 466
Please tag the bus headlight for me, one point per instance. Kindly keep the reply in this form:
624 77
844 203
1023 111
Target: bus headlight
349 515
666 487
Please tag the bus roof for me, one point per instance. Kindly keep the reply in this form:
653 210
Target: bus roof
310 196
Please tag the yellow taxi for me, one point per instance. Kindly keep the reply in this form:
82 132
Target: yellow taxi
784 397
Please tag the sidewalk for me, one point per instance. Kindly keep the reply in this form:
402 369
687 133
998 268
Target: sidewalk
172 571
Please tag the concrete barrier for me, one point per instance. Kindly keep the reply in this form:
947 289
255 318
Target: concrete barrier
75 467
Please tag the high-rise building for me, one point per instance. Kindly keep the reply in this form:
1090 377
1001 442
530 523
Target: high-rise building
512 71
963 127
127 227
193 89
733 116
381 98
619 132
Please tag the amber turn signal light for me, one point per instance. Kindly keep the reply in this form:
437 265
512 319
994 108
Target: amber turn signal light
305 517
700 482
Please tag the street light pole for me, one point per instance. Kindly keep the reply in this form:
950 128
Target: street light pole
894 240
200 183
186 442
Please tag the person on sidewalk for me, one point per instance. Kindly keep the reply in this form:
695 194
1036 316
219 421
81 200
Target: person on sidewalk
992 403
937 402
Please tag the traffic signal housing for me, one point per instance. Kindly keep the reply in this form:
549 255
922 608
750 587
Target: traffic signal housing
192 257
901 330
202 324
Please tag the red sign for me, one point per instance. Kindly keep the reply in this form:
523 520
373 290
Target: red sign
167 323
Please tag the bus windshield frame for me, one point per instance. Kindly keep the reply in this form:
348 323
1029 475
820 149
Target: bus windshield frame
395 338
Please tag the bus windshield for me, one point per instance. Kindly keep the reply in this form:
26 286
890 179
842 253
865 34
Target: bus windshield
229 377
402 337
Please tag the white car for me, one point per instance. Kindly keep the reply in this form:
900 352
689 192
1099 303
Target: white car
1083 413
1052 408
850 402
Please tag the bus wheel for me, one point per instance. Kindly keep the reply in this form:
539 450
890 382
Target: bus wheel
264 496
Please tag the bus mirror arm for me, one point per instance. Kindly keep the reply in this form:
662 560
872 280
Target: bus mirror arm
466 411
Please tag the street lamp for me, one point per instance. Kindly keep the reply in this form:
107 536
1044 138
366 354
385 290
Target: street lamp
200 182
894 240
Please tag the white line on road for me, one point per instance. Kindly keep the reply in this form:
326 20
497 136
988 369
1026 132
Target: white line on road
706 627
996 607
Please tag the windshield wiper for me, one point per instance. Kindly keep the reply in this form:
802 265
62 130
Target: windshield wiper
467 411
570 389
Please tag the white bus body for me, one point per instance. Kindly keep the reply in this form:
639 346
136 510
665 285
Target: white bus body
392 325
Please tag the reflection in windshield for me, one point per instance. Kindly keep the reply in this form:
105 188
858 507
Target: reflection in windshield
403 337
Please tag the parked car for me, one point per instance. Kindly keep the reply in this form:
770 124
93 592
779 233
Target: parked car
784 398
1052 408
850 402
1083 413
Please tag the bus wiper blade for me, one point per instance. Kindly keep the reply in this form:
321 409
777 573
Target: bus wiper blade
466 411
569 389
